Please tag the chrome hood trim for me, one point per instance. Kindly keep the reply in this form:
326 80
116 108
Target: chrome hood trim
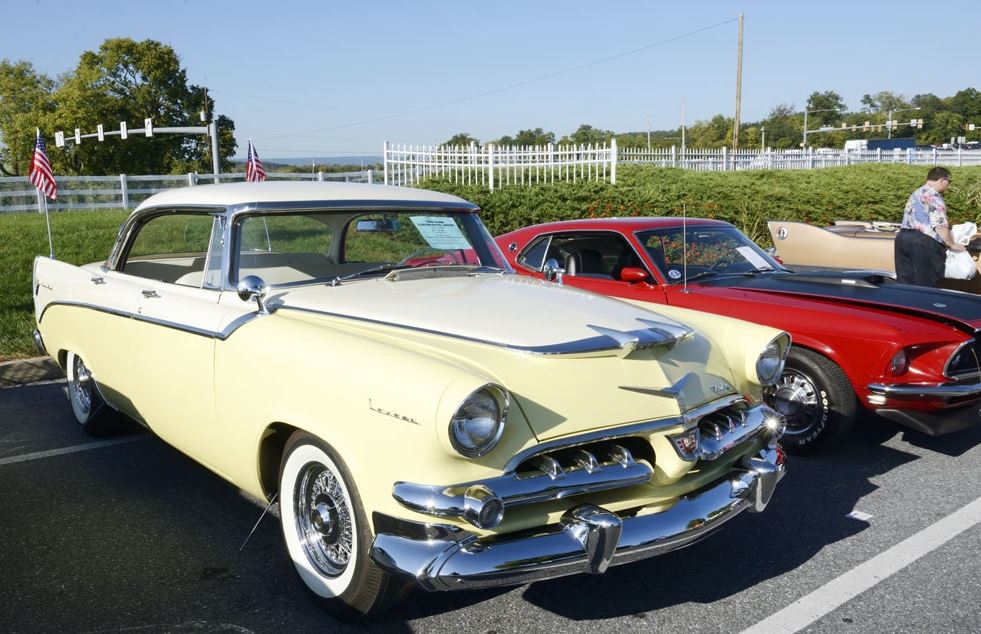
501 310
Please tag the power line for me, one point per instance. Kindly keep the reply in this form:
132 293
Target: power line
510 86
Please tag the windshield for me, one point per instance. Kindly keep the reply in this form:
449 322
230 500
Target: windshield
315 246
707 251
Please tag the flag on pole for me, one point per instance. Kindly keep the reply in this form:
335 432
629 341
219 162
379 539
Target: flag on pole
40 172
253 166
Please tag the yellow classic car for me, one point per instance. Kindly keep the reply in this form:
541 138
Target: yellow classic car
364 357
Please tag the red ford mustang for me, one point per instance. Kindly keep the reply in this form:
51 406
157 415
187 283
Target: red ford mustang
908 353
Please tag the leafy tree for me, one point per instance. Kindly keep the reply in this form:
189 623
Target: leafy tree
586 134
529 137
783 127
829 107
462 138
884 101
25 102
944 126
128 81
967 103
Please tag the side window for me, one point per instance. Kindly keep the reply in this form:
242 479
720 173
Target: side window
534 256
286 248
172 248
598 255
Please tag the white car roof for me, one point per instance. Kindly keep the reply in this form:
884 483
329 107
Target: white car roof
225 195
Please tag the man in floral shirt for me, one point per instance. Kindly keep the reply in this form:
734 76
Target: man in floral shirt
922 243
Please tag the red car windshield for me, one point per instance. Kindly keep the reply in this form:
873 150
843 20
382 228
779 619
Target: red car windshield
701 251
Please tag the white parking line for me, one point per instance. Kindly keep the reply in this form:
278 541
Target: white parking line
37 455
809 609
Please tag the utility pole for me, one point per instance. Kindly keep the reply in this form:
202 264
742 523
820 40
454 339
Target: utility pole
682 126
648 133
739 86
762 138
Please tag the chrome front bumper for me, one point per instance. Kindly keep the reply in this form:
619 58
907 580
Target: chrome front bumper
958 416
588 539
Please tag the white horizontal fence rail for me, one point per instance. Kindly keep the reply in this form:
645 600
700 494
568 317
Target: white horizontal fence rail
492 165
126 192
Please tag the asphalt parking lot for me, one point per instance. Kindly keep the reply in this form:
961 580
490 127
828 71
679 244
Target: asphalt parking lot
131 536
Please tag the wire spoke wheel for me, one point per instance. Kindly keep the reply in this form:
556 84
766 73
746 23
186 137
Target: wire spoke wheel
323 520
80 388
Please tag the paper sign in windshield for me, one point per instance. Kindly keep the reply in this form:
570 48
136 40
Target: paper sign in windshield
440 232
753 258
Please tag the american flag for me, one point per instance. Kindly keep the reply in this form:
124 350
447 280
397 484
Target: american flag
253 166
40 173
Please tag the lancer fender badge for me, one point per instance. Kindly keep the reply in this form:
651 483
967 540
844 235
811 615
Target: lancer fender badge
721 388
390 414
939 305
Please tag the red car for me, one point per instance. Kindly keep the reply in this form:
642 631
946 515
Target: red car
861 340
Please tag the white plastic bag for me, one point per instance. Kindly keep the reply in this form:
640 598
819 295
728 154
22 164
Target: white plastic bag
960 265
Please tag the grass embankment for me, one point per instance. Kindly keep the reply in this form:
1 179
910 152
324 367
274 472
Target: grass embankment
746 199
79 237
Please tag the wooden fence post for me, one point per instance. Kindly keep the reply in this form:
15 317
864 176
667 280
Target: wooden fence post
124 186
725 158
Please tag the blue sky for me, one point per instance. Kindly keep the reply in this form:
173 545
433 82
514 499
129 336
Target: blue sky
298 77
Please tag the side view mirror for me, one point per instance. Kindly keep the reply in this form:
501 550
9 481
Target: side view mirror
253 286
553 272
632 274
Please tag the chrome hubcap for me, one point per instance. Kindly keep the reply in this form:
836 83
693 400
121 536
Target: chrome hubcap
323 520
796 397
81 387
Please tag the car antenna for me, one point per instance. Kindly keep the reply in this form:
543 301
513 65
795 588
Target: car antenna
272 501
684 245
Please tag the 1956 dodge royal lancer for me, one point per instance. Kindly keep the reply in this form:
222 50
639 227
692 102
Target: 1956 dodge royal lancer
366 354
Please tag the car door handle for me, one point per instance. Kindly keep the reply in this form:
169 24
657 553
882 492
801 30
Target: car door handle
149 294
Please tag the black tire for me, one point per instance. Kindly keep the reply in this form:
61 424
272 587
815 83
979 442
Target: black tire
817 400
327 534
93 415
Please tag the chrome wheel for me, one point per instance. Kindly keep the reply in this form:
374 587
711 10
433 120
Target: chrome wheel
323 520
797 397
81 389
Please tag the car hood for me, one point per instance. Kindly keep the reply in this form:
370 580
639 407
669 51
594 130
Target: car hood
503 310
962 310
573 361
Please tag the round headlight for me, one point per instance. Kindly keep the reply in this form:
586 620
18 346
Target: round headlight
479 422
769 366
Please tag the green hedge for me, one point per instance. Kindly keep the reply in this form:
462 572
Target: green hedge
746 199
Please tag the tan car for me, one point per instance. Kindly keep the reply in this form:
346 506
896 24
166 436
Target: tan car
365 356
849 245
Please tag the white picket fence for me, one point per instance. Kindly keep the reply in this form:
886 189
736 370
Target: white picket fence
492 166
126 192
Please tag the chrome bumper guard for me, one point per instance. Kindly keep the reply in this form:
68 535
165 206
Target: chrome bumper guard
39 343
936 390
588 539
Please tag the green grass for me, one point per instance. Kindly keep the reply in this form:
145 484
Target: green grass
79 238
746 199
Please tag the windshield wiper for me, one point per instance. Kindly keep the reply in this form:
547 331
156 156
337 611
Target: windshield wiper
388 266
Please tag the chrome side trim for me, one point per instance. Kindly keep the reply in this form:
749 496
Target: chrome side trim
588 538
935 390
603 343
201 332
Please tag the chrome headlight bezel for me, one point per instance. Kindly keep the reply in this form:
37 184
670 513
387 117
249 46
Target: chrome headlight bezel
501 400
770 363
